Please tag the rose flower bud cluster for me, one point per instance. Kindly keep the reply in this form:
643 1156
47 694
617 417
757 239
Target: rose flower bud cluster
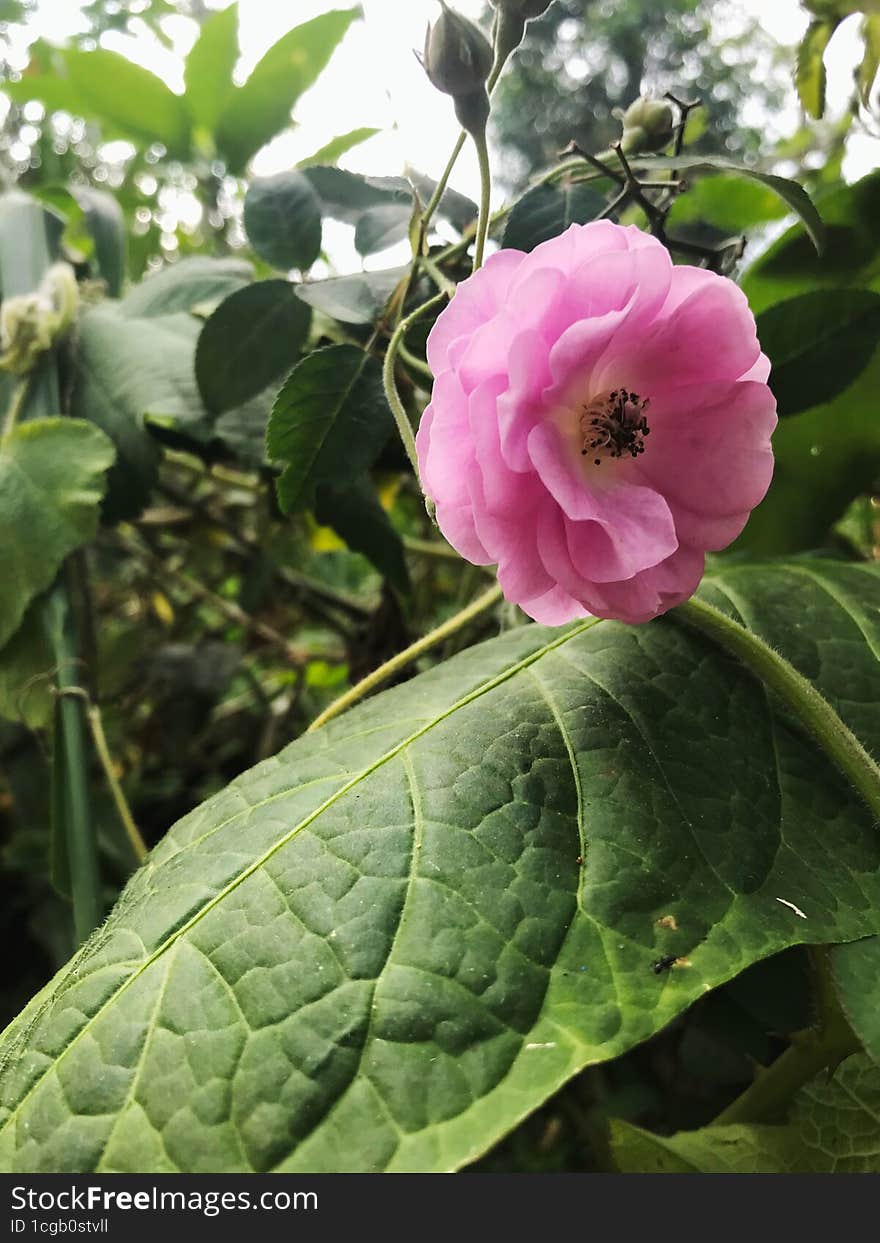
647 126
599 420
458 60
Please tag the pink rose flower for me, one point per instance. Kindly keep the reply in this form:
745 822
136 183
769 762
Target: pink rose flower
600 419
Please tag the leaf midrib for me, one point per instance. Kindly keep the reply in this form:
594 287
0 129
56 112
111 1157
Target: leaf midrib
262 859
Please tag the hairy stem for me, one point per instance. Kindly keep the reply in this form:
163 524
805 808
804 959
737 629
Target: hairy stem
811 708
399 662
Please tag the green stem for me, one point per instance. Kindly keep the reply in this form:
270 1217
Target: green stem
811 708
440 279
16 405
485 198
399 662
811 1052
398 409
73 773
99 738
414 364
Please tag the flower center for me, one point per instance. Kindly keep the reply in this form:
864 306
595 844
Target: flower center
614 424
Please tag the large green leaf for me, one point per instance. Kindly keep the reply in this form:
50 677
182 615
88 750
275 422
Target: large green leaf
832 1129
103 86
252 338
52 478
329 422
357 299
338 146
546 211
282 218
818 344
856 971
261 108
380 950
209 66
127 368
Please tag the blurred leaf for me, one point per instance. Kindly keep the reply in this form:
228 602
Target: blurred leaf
282 218
261 108
103 86
52 478
832 1129
731 204
354 512
26 664
818 344
546 211
810 73
792 194
851 256
346 196
381 227
106 225
329 422
253 337
856 971
184 285
459 210
337 147
358 299
209 65
866 74
25 247
127 368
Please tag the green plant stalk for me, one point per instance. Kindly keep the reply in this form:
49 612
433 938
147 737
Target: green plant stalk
811 708
99 738
485 199
399 662
389 383
811 1052
70 726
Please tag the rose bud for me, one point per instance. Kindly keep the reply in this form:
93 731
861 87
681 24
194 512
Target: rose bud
647 126
458 57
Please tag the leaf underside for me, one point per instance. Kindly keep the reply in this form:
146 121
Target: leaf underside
380 950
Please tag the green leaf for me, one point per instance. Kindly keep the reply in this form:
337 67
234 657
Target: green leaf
329 423
354 512
546 211
866 73
208 70
856 971
810 76
793 195
282 218
381 227
818 344
380 951
346 196
261 108
337 147
26 665
252 338
730 204
358 299
185 285
832 1129
106 225
457 208
25 250
103 86
52 478
851 256
127 368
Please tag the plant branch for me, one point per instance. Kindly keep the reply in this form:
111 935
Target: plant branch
485 198
389 382
399 662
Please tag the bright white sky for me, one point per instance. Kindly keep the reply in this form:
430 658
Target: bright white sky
374 78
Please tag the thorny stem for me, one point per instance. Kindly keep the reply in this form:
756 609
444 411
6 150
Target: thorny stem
399 662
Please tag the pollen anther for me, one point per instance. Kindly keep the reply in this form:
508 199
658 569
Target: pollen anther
613 425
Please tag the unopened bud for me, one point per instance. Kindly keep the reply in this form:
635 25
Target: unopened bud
647 126
525 9
458 56
30 324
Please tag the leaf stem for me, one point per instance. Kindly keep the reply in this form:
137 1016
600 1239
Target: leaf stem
73 792
399 662
811 1052
398 409
811 708
485 198
99 738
